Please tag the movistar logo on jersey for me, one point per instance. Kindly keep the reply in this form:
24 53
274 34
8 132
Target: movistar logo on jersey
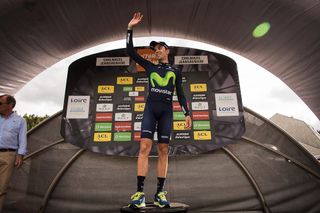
162 82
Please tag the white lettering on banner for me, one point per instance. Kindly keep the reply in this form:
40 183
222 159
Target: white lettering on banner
199 105
139 116
78 107
104 107
192 59
105 98
227 104
142 80
112 61
123 116
199 97
182 135
184 79
124 107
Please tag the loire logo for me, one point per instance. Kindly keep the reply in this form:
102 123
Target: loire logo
162 82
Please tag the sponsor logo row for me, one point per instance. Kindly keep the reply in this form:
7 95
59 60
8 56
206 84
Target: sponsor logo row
139 107
136 136
78 106
110 89
226 104
134 96
127 126
128 116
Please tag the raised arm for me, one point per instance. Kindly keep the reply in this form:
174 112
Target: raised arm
137 18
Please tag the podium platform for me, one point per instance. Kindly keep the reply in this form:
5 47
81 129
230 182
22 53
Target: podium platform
150 207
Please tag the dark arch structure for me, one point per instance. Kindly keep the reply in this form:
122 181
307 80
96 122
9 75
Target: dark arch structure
36 34
265 171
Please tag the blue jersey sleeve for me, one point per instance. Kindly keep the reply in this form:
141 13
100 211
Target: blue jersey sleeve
181 97
133 54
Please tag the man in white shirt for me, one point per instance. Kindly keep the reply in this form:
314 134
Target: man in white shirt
13 142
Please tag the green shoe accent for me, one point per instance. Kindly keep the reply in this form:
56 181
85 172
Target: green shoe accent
137 200
160 200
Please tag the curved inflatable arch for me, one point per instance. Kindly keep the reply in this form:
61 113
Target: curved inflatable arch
36 34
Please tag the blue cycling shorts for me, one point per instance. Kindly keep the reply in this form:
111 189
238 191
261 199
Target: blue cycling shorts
157 116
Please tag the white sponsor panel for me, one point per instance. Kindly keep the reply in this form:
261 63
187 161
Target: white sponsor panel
78 107
104 108
227 104
137 126
199 105
112 61
123 116
175 98
191 59
133 93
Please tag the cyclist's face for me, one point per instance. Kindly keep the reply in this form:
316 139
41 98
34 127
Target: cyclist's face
161 52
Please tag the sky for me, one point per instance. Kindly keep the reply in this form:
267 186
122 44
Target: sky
261 91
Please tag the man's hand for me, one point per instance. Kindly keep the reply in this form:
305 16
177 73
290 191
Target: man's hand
19 161
137 17
188 122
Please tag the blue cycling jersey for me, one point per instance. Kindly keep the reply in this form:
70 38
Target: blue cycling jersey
163 78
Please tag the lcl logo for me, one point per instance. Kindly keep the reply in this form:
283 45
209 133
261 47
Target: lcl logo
124 80
105 89
198 87
102 137
202 135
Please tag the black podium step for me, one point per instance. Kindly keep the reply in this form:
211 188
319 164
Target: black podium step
150 207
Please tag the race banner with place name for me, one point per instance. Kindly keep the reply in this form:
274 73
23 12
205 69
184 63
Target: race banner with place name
106 94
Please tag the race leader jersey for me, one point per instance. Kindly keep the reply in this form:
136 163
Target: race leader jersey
162 78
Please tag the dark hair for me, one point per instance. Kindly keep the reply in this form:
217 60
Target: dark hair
10 100
153 44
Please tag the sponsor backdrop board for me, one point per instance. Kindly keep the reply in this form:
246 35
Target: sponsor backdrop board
106 94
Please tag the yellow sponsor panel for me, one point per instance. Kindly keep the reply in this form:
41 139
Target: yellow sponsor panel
105 89
139 107
139 89
179 125
124 80
102 137
202 135
198 87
